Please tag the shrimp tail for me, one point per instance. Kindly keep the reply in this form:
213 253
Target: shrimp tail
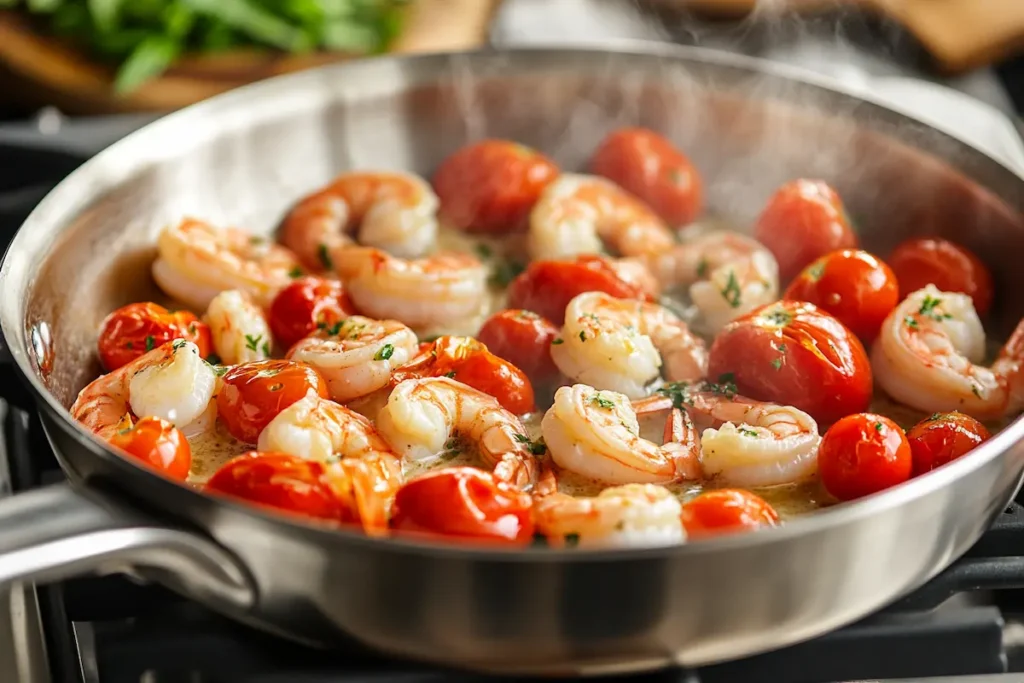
518 470
679 429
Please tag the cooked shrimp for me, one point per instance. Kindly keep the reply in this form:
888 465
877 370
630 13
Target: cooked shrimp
239 328
621 345
357 355
424 418
928 352
393 211
440 288
197 261
583 214
367 486
171 382
596 434
634 270
630 516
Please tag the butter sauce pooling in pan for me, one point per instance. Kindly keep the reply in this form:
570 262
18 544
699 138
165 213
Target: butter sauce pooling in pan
515 354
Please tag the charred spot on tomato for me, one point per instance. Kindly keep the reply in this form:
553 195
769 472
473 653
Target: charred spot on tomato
385 352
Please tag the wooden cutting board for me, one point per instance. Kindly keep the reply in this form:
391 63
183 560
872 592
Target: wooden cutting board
37 70
959 34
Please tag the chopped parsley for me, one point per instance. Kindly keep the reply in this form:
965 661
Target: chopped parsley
910 322
450 375
556 341
976 390
572 540
702 268
191 328
537 447
732 291
583 336
295 272
777 363
679 392
929 306
178 343
324 256
878 427
385 352
504 272
252 342
602 402
213 359
747 432
331 330
934 416
150 342
484 251
726 385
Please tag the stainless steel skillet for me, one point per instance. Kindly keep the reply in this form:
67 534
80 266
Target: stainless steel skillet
244 157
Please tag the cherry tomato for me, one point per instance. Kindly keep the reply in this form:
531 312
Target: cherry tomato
280 481
863 454
793 353
854 286
547 287
306 304
803 220
132 330
942 438
948 266
157 443
466 503
726 511
648 165
466 360
254 393
491 186
524 340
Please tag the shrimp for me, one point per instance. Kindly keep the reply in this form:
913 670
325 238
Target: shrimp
197 261
728 274
393 211
928 357
630 516
621 345
239 328
171 382
357 355
366 486
440 288
582 214
596 434
424 418
633 270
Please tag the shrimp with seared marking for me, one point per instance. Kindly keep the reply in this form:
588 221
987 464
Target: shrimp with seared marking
239 328
392 211
196 262
444 287
584 214
596 434
424 418
357 355
928 357
621 345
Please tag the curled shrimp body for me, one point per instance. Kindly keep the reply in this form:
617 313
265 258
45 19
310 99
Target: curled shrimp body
596 434
621 345
366 487
928 352
393 211
583 214
239 328
357 355
423 418
630 516
439 288
197 261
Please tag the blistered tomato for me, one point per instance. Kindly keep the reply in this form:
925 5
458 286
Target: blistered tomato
863 454
523 339
942 438
724 511
157 443
254 393
132 330
948 266
305 305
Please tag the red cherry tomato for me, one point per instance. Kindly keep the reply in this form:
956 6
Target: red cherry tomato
254 393
863 454
466 503
491 186
649 166
942 438
157 443
280 481
132 330
306 304
523 339
547 287
725 511
803 220
793 353
854 286
948 266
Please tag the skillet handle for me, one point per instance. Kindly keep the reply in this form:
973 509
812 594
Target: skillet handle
59 532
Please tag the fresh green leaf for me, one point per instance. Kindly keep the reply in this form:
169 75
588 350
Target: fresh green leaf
43 6
345 36
247 17
105 14
149 59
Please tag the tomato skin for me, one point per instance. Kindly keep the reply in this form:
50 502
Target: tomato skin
254 393
724 511
465 503
491 186
854 286
304 305
803 221
863 454
943 438
793 353
523 339
157 443
647 165
547 287
950 267
280 481
132 330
